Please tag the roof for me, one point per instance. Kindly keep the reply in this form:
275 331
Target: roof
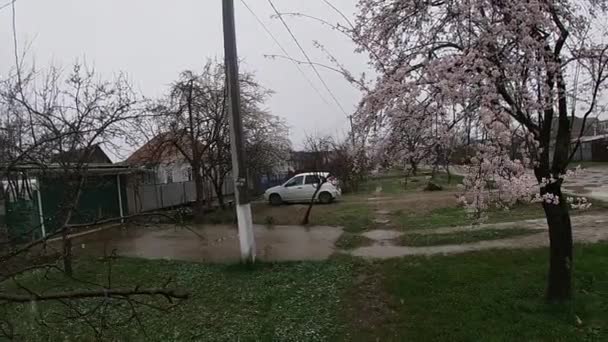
160 149
92 168
93 153
320 173
155 151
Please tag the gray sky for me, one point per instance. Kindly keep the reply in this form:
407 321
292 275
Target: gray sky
153 40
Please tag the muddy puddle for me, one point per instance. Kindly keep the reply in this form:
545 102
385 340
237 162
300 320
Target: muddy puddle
212 244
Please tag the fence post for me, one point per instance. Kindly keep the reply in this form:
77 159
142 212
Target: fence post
3 227
161 196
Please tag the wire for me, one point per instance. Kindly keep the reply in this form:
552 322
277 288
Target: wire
276 41
7 4
340 13
307 58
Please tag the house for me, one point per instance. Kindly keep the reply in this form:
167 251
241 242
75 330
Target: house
166 177
599 127
163 160
591 148
304 161
34 197
92 155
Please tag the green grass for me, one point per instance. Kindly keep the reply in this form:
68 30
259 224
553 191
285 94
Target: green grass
456 216
393 183
493 296
354 217
464 236
290 301
351 241
587 164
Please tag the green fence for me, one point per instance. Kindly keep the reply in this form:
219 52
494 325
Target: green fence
98 200
23 220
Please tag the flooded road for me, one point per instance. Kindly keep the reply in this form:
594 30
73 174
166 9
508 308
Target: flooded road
210 243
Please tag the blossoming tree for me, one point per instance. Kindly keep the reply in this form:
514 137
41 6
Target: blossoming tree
522 69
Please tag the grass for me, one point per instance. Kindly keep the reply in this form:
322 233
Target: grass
354 217
290 301
493 296
587 164
393 183
351 241
464 236
456 216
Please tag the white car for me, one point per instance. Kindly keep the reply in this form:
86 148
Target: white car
301 188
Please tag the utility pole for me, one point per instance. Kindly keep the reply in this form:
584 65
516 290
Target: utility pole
239 168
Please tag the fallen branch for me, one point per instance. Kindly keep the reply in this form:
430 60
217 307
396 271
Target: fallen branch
82 294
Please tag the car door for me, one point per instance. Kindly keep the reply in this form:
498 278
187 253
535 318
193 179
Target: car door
310 186
293 187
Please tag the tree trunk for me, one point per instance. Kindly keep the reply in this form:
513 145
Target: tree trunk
70 203
199 204
559 286
3 225
306 218
414 166
220 194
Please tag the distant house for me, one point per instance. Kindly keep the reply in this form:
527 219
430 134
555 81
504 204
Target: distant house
591 148
166 177
166 164
92 155
305 161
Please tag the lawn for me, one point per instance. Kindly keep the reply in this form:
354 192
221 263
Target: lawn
491 295
394 183
456 216
457 238
588 164
290 301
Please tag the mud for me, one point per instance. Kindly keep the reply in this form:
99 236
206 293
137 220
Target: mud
211 244
587 229
591 182
381 234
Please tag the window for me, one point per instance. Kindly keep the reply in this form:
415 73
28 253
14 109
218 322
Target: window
312 179
295 181
169 176
188 174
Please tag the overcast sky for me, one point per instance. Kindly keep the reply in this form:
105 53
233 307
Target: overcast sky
153 40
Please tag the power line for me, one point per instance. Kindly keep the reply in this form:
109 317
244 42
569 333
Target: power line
307 58
276 41
7 4
340 13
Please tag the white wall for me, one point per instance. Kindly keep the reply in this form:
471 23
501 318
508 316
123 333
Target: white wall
179 171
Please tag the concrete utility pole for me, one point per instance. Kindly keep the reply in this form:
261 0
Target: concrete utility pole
239 168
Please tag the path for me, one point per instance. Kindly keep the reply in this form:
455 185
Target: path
588 228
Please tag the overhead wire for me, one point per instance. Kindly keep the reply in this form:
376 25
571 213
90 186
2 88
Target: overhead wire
278 43
307 58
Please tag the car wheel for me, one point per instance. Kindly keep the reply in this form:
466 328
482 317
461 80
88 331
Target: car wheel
325 198
275 199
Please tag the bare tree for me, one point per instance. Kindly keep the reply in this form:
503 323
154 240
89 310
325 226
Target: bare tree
320 151
50 123
196 117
